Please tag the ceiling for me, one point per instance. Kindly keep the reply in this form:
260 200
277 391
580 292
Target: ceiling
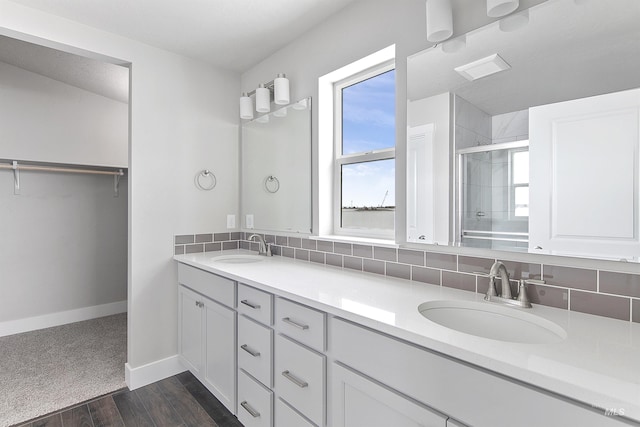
568 50
231 34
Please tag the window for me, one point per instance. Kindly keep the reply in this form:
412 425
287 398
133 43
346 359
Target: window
364 164
520 183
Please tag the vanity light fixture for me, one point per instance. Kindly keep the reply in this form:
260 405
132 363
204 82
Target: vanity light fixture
263 94
483 67
439 20
498 8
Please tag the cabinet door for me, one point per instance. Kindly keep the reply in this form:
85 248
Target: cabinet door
220 353
190 329
358 401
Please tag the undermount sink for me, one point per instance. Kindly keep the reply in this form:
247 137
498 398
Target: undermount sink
491 321
239 259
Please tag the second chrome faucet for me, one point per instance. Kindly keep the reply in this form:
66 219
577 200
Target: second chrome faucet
499 271
263 248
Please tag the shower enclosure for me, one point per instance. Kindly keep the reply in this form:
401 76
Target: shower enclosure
493 196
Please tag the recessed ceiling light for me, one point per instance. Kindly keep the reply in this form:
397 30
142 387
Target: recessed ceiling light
482 67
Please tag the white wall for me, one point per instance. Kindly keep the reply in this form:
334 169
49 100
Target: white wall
45 120
183 120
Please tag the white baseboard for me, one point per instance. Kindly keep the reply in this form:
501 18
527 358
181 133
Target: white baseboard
11 327
152 372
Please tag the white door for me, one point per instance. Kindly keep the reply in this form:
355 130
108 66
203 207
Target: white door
420 192
190 329
220 353
358 402
584 185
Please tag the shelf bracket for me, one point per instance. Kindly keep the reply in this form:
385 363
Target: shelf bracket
16 178
116 183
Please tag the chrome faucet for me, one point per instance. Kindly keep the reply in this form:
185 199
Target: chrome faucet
498 270
263 248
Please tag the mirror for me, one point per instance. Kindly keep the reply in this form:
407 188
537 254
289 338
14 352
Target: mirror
276 170
523 134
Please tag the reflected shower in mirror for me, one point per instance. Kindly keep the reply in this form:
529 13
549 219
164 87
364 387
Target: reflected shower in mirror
276 170
527 138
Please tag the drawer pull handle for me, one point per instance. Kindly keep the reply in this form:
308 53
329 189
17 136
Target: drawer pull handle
249 409
250 304
248 350
288 375
295 324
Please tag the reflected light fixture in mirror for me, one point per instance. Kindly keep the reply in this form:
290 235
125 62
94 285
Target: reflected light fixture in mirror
439 20
498 8
278 86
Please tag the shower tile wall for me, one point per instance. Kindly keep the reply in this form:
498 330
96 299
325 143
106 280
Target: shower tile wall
566 287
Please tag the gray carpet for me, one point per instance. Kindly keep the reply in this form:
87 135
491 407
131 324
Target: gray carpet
50 369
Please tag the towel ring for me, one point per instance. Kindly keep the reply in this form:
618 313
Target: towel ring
201 180
271 184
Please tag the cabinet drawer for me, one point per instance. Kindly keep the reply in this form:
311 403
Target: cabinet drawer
255 304
255 402
255 349
287 417
299 378
301 323
208 284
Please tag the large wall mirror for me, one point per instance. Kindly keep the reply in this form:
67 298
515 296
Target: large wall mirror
523 135
276 170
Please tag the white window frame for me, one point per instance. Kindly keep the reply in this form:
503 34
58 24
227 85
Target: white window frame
349 159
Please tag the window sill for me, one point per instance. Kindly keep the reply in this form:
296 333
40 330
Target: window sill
357 240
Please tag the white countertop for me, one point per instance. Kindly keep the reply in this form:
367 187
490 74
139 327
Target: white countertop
598 363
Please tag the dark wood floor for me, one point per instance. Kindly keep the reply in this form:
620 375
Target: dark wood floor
176 401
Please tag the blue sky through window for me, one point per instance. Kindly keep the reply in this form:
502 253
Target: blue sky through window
368 124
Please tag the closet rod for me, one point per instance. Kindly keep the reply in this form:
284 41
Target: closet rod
119 172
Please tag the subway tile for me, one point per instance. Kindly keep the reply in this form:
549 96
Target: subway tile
178 249
636 310
620 283
309 244
373 266
325 246
276 250
466 282
443 261
468 264
400 271
334 259
229 245
408 256
302 254
253 246
295 242
385 254
549 296
600 305
425 275
317 257
569 277
194 249
204 238
342 248
220 237
523 270
288 252
236 235
363 251
354 263
184 239
282 240
269 238
211 247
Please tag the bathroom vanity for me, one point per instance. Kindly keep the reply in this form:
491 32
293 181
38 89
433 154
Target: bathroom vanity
313 345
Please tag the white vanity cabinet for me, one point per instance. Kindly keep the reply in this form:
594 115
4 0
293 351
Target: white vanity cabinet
207 331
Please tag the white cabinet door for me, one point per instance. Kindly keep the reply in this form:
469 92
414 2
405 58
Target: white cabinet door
358 402
584 186
420 182
220 353
190 336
